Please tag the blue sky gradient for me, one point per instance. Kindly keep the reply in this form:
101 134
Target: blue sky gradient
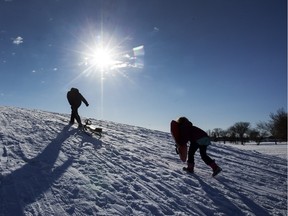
215 62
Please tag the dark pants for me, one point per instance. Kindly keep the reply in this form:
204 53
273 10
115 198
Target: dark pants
75 115
203 148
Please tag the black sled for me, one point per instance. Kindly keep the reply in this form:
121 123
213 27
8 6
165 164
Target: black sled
90 130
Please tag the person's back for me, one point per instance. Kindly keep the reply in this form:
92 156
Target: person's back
189 132
197 133
74 97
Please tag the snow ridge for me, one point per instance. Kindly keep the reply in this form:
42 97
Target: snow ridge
50 168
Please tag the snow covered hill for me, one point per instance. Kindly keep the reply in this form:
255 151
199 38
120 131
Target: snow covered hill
49 168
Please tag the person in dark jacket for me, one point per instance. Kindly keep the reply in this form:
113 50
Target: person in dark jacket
199 139
75 99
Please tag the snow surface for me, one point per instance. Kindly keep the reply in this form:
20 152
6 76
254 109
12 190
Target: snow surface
269 148
49 168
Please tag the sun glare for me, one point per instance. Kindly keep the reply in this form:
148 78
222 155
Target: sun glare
109 57
103 59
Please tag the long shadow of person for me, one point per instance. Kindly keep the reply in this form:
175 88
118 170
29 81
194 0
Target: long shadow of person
33 180
251 204
225 205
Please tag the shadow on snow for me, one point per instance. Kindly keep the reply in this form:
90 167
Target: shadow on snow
26 184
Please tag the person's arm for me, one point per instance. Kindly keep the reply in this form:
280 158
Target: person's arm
84 101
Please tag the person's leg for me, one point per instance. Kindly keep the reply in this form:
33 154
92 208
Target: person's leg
203 152
76 115
190 162
72 117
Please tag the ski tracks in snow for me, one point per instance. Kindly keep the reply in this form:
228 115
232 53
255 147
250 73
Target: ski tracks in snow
256 182
49 168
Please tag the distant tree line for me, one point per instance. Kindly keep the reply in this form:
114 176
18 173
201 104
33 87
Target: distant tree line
275 129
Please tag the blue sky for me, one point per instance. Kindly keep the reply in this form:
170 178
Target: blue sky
215 62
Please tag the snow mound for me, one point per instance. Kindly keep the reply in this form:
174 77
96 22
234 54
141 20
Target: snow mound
50 168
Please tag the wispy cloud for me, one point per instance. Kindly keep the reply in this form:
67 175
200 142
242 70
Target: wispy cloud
17 40
156 29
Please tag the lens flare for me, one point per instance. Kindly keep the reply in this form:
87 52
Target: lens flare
103 59
102 55
110 59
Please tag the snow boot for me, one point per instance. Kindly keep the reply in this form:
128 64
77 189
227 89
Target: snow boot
216 169
189 168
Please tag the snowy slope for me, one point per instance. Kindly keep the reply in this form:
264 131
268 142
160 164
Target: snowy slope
49 168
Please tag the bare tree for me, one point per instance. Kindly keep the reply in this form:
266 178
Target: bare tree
254 135
216 133
264 130
240 129
223 135
278 124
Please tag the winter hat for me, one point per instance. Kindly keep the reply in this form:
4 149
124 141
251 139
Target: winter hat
184 121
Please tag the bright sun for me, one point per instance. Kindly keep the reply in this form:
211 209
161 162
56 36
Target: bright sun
110 58
103 58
